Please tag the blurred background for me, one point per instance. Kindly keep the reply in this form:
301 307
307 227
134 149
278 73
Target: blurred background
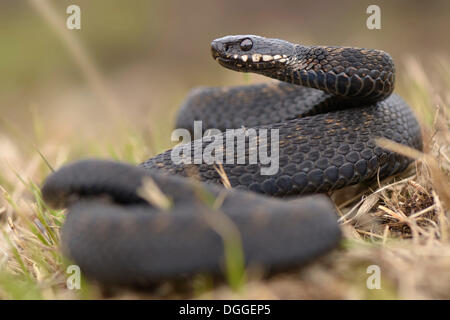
112 90
146 55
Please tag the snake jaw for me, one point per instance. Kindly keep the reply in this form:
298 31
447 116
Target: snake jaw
313 125
248 64
251 53
256 62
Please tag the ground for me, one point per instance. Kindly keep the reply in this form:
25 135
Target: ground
399 225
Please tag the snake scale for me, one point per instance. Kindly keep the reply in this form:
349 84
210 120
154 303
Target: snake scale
328 107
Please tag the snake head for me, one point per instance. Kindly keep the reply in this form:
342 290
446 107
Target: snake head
249 53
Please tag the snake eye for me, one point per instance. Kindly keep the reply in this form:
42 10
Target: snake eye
246 44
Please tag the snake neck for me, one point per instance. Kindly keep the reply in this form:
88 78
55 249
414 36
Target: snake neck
366 75
344 71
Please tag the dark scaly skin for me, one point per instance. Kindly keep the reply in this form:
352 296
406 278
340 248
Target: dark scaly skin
356 73
122 239
320 153
326 142
249 106
347 77
326 137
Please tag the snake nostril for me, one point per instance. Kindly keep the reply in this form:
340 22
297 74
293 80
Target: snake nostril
216 46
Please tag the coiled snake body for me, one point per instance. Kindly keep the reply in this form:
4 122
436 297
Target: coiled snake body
331 103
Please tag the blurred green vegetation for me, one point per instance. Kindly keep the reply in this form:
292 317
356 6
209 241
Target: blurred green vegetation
31 52
119 32
149 54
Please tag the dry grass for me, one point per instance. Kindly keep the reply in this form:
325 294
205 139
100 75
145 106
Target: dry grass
401 224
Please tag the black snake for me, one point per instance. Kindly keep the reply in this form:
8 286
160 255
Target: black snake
329 106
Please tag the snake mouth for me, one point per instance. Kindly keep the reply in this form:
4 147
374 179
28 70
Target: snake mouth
250 53
254 63
246 62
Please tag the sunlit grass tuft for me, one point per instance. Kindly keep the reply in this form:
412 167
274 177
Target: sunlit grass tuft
400 224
